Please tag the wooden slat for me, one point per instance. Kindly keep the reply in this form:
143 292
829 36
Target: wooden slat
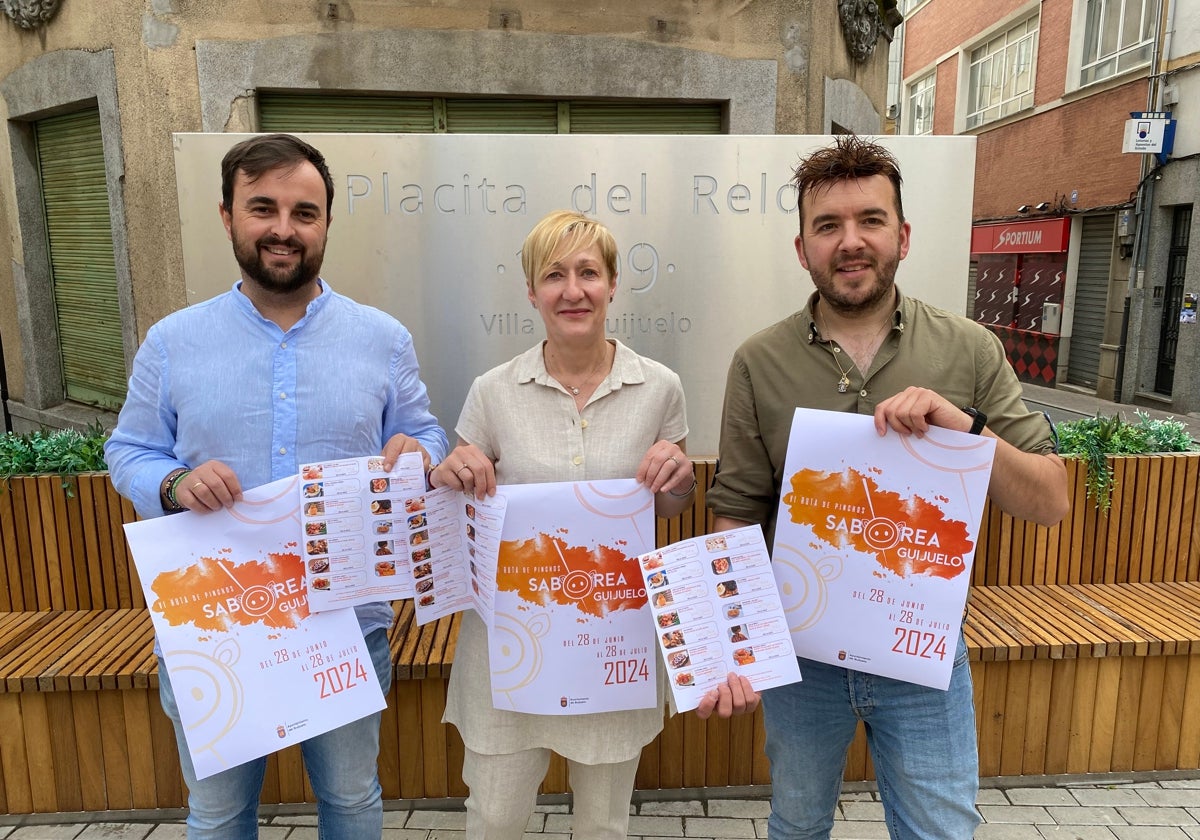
1149 712
1104 715
991 728
1189 727
168 777
671 748
27 562
1129 700
1058 720
89 535
115 749
406 745
136 711
1016 707
14 760
1170 719
1189 509
433 738
1083 701
289 774
1071 548
9 573
1153 544
1037 717
64 748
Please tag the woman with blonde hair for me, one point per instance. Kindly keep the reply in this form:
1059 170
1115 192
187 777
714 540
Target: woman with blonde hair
576 407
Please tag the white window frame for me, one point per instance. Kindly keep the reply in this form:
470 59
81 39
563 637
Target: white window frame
919 93
1007 58
1125 51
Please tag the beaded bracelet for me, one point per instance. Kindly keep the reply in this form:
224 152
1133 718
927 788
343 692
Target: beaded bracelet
172 483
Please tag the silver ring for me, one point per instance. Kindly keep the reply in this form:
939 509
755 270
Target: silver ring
673 461
463 467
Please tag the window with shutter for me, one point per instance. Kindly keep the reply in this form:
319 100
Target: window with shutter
84 280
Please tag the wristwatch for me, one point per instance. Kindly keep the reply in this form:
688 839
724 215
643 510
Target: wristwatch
978 419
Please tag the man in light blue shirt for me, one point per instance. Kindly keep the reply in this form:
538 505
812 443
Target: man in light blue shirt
236 392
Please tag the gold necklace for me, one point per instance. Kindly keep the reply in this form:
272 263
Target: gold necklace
575 389
843 384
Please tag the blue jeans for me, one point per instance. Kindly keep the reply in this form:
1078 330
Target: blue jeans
922 742
342 767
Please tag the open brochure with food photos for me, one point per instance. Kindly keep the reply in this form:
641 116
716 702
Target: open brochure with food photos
717 609
455 568
360 526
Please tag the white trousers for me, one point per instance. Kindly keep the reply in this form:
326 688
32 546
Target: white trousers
504 792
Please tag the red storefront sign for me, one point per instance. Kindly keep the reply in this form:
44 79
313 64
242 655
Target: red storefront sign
1043 236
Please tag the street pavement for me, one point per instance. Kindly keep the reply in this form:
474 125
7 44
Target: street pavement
1065 404
1138 806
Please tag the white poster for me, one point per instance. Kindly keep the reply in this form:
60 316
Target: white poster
571 631
874 543
253 670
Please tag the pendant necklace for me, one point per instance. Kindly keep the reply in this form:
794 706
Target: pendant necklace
843 384
574 389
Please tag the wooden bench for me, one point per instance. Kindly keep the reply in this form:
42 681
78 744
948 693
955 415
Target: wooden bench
1083 638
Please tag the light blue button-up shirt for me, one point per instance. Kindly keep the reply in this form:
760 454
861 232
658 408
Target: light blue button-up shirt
219 381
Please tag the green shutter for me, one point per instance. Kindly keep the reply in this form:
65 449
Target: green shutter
332 113
591 117
501 116
83 270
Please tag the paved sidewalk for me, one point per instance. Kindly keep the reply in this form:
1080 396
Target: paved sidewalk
1067 404
1158 806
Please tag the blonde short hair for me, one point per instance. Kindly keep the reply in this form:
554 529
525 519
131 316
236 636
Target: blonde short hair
560 234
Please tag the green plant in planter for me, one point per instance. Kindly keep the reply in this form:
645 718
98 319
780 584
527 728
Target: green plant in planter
53 451
1093 439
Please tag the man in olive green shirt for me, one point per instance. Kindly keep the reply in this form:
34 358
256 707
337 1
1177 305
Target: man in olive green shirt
860 346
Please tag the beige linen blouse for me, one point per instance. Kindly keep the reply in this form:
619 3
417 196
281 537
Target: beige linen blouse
529 425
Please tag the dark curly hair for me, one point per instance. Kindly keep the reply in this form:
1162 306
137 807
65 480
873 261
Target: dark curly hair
848 159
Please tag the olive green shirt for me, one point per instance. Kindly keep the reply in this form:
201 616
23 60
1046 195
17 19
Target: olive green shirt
788 365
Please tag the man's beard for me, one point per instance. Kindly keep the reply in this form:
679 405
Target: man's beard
279 280
885 272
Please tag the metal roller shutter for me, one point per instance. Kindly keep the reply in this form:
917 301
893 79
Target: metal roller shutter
1091 300
589 117
332 112
501 116
83 270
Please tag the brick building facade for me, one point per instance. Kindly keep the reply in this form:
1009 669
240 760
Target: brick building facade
1047 87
